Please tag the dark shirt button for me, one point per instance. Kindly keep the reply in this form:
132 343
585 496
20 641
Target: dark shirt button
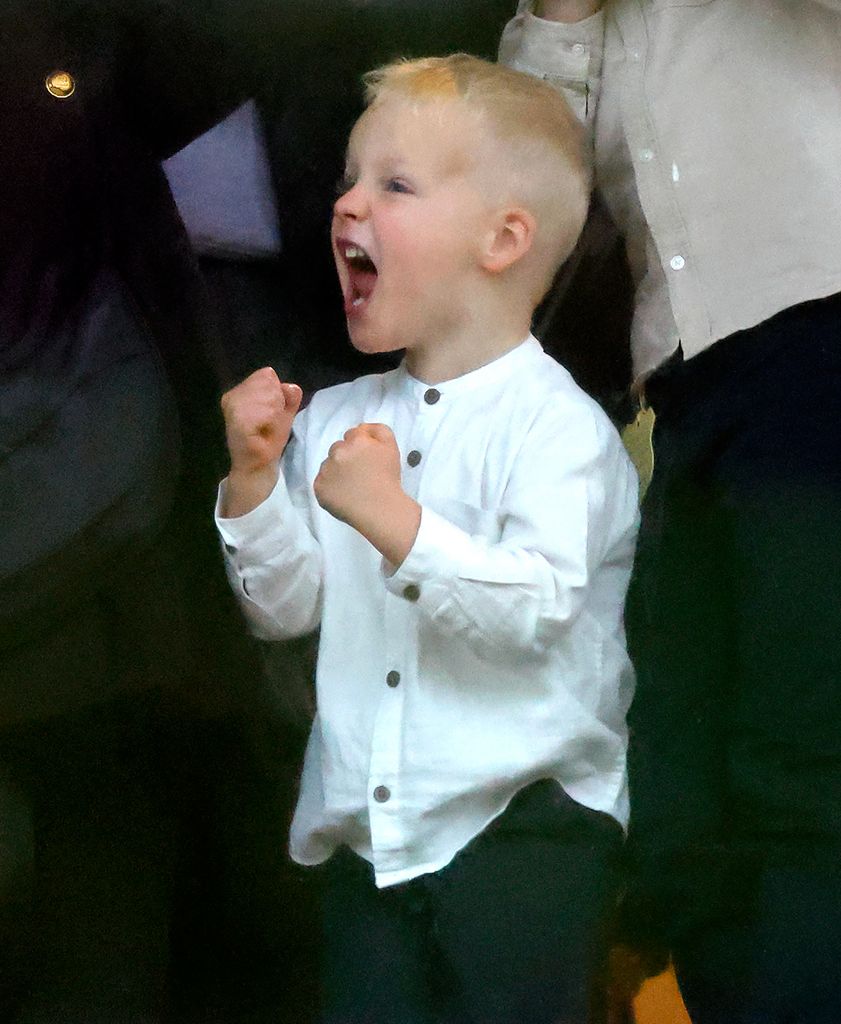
431 396
413 458
411 592
382 794
393 679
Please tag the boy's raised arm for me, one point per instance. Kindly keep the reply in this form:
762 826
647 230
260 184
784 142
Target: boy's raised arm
562 519
359 483
272 556
258 421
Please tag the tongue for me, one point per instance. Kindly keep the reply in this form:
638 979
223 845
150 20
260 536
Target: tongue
361 285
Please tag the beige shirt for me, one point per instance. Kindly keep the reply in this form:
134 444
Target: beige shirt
717 134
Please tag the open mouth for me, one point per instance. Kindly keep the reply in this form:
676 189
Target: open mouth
361 276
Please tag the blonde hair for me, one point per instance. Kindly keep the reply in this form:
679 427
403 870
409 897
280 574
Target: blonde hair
538 144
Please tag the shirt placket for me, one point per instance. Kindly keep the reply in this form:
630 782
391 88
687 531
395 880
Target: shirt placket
387 787
657 180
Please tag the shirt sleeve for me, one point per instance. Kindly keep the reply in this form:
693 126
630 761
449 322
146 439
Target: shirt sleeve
570 508
567 56
272 557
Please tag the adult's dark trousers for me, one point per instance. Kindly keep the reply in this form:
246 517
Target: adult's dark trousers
734 622
513 930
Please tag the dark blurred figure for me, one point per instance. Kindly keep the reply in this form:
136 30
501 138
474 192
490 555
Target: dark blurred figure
122 658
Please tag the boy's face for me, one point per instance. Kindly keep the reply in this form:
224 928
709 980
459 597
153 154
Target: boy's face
406 233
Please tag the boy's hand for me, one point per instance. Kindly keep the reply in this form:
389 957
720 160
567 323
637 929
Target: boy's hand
566 10
258 421
359 483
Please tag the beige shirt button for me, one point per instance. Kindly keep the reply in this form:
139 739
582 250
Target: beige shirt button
60 84
647 155
677 263
578 48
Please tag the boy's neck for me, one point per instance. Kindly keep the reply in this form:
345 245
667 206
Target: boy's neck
464 349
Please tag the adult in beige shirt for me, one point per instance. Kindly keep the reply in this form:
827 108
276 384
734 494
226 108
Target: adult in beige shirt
716 128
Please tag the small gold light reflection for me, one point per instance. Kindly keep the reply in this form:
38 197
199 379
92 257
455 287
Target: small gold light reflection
60 84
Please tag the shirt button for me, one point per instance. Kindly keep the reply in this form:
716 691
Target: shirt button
635 55
382 794
432 396
393 679
413 458
578 48
647 155
411 592
677 263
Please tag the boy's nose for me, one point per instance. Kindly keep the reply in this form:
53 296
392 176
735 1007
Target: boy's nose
351 204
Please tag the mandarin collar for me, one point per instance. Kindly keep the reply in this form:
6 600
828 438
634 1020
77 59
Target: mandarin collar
497 370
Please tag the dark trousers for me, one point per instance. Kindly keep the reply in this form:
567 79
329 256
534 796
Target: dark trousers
91 863
513 930
734 621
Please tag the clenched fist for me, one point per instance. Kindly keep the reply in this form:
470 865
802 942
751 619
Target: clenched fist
258 421
359 483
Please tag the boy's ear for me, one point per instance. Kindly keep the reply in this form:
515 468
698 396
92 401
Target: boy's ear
508 239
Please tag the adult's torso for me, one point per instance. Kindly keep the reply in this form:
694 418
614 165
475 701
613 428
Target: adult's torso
718 148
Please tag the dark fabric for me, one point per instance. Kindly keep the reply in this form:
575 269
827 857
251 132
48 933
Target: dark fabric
89 438
122 652
245 940
585 319
86 936
513 930
109 379
733 622
782 968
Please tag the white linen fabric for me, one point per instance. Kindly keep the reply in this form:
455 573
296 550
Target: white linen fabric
495 654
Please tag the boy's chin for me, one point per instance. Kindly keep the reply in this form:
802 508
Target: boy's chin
371 342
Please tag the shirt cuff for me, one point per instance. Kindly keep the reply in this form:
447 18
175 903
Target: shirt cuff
568 51
256 536
437 553
443 552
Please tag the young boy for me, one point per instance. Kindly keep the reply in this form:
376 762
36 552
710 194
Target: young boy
462 530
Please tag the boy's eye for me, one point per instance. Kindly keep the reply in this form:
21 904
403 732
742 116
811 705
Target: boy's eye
397 185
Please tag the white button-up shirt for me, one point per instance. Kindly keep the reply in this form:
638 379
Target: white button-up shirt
717 134
495 655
